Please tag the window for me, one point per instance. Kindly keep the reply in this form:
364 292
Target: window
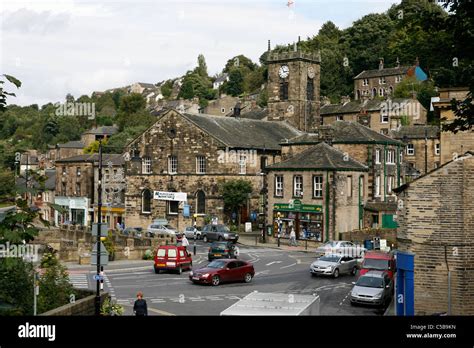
78 171
64 171
384 116
365 82
390 183
298 186
146 165
398 79
223 110
243 164
390 157
200 165
173 207
437 149
146 201
317 186
401 156
279 185
78 188
339 118
201 202
382 80
63 189
349 185
374 92
361 187
310 89
390 90
172 253
358 94
410 149
377 156
381 92
172 165
377 185
263 163
284 90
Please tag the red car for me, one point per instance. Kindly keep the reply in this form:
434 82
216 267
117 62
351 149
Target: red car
220 271
172 258
378 261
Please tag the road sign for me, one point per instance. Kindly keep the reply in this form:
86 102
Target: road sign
98 277
104 255
103 230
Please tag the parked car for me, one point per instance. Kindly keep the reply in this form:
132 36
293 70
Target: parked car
341 247
373 288
218 232
154 230
132 232
379 261
221 271
189 232
334 265
172 258
222 250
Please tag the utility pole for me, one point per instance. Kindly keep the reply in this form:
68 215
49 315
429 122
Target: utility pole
99 231
426 150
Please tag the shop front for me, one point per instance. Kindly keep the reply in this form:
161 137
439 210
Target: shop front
306 219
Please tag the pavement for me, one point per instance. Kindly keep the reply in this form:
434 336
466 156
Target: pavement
281 270
302 247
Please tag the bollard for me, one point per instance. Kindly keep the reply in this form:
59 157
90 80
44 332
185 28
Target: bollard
256 240
306 244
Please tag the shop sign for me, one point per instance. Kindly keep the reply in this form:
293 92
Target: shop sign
298 207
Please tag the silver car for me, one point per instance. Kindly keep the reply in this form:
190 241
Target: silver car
189 232
373 288
154 230
341 247
334 265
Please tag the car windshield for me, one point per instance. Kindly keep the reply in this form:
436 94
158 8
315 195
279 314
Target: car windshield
161 252
330 258
223 228
370 282
217 264
219 246
376 264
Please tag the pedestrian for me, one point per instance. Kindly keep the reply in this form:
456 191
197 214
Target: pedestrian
139 308
185 242
292 237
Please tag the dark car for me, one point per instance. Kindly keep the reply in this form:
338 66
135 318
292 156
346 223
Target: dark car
221 271
133 232
222 250
219 233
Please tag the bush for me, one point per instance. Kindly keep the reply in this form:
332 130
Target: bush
16 286
111 308
148 255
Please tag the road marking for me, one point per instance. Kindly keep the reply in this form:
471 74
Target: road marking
262 272
159 311
293 264
273 262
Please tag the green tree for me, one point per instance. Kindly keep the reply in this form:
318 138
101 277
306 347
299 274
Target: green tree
7 185
94 147
235 85
3 93
16 285
187 90
167 89
201 69
235 194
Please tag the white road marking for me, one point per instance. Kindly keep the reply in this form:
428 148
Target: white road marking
262 272
293 264
273 262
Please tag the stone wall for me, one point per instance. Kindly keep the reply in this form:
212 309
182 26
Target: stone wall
436 222
82 307
360 235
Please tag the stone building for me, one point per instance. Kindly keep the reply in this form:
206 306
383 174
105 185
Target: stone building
452 144
293 88
422 148
381 154
97 133
319 192
140 87
382 82
222 106
382 116
65 150
76 186
194 154
436 223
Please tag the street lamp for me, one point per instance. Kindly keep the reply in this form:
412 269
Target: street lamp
99 231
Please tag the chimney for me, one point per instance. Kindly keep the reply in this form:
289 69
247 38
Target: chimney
295 47
325 101
269 46
345 99
381 64
326 134
237 109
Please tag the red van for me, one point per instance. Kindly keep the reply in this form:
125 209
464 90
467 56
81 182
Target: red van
379 261
172 258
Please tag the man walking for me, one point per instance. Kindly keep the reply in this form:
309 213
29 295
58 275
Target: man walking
293 237
140 308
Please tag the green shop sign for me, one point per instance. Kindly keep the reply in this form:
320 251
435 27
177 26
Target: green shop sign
297 206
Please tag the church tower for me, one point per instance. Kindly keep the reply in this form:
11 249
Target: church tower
293 88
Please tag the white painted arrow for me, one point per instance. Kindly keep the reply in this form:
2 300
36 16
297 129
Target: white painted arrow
271 263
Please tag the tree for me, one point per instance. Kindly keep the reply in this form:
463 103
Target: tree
94 147
187 90
3 93
235 194
201 69
7 185
234 86
424 90
132 103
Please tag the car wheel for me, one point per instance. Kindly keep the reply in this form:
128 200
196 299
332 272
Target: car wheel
180 270
313 275
220 239
336 273
216 280
352 303
248 278
157 271
209 259
204 239
354 271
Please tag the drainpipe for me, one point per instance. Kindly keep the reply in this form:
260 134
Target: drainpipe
398 165
327 206
334 195
360 203
385 173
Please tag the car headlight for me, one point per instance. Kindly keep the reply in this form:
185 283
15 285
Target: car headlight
379 295
191 273
205 275
226 235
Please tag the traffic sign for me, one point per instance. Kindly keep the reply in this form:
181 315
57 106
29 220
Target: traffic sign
98 277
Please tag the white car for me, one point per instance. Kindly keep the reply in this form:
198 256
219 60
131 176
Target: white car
341 247
189 232
154 230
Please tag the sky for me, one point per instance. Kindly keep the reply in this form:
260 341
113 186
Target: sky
78 47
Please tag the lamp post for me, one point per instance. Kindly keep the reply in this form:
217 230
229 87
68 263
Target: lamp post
99 231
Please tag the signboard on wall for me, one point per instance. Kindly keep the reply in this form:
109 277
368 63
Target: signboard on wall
170 196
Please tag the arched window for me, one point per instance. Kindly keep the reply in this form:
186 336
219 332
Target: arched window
390 90
374 92
358 94
146 201
284 90
200 202
310 89
381 91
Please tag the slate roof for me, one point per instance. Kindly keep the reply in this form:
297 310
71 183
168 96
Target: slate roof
256 114
416 132
103 130
49 184
244 133
322 157
346 132
116 159
367 74
221 78
356 106
72 145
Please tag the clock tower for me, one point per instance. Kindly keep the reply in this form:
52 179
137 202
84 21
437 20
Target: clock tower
293 88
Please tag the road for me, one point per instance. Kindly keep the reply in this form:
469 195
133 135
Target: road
276 271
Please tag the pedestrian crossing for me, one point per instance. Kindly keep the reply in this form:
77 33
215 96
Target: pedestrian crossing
79 280
183 299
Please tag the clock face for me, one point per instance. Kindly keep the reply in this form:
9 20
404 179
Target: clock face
284 71
311 72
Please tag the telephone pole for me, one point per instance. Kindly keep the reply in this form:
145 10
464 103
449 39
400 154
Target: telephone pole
99 231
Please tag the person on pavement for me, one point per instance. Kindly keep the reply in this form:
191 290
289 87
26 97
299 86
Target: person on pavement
292 237
140 308
185 242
